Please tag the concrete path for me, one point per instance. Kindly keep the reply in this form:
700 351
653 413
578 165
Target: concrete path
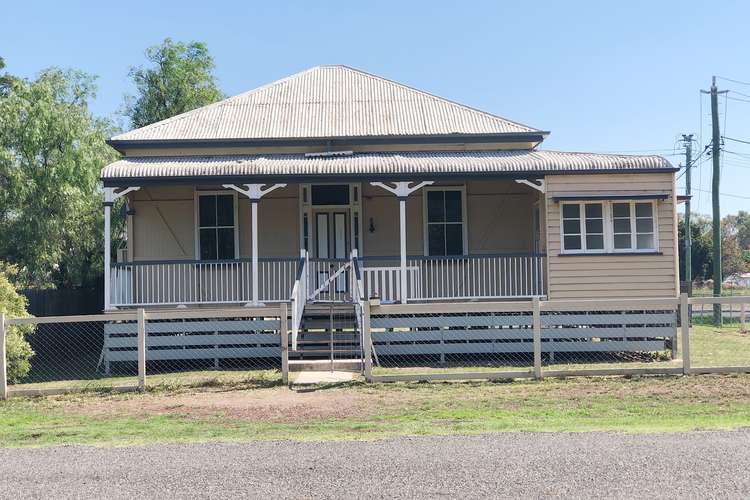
322 377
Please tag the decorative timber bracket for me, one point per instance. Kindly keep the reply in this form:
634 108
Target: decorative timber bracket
537 184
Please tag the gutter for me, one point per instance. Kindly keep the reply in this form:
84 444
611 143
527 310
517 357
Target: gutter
329 142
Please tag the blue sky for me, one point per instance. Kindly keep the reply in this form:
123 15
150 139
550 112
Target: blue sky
601 76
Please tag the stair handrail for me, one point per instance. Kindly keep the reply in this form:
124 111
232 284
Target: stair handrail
299 297
358 295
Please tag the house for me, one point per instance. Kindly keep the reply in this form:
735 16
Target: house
740 280
303 180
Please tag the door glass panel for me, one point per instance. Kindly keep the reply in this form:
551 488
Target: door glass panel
339 235
321 234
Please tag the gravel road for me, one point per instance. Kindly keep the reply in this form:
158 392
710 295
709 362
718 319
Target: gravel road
702 464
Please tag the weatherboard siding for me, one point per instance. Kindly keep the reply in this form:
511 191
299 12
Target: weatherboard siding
499 220
613 276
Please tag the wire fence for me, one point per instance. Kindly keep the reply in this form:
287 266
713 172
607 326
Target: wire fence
250 347
117 351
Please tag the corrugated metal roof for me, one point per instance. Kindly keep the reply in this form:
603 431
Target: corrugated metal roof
327 102
468 162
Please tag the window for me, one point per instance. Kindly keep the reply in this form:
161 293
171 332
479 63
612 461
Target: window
583 227
445 222
633 226
330 194
216 226
607 227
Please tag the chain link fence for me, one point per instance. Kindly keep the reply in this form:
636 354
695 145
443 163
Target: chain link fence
249 347
724 347
120 351
610 335
445 341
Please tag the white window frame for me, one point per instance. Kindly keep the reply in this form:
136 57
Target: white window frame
633 227
196 220
464 217
582 222
608 227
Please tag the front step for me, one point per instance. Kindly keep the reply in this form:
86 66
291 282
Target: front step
316 341
344 365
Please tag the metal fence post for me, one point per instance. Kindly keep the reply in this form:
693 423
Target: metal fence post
3 360
685 326
367 340
284 339
743 312
537 326
141 349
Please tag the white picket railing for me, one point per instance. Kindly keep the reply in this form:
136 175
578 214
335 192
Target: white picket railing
230 282
479 277
459 277
200 282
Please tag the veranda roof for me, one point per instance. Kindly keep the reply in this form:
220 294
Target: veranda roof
327 102
519 163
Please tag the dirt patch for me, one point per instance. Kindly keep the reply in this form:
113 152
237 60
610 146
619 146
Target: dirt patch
263 405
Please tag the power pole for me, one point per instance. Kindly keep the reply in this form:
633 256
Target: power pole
687 139
716 157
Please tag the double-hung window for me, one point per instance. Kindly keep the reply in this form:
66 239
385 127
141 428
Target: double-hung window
608 227
445 224
216 226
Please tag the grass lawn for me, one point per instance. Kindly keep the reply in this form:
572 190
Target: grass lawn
359 411
725 346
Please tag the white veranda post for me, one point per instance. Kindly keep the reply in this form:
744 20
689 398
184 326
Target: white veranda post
110 195
402 190
254 192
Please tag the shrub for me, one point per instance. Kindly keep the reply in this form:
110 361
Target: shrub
18 350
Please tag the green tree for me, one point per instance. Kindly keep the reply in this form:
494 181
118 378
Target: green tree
51 153
733 254
741 224
700 232
179 79
18 350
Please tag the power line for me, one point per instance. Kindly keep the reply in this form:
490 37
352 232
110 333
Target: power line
733 81
728 194
734 140
738 99
739 93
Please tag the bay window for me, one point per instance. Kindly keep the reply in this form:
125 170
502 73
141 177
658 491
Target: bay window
608 227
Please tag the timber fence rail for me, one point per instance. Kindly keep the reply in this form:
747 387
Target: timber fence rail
536 339
123 351
249 346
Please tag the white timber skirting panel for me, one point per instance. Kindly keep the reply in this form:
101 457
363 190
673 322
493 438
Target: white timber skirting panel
192 335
